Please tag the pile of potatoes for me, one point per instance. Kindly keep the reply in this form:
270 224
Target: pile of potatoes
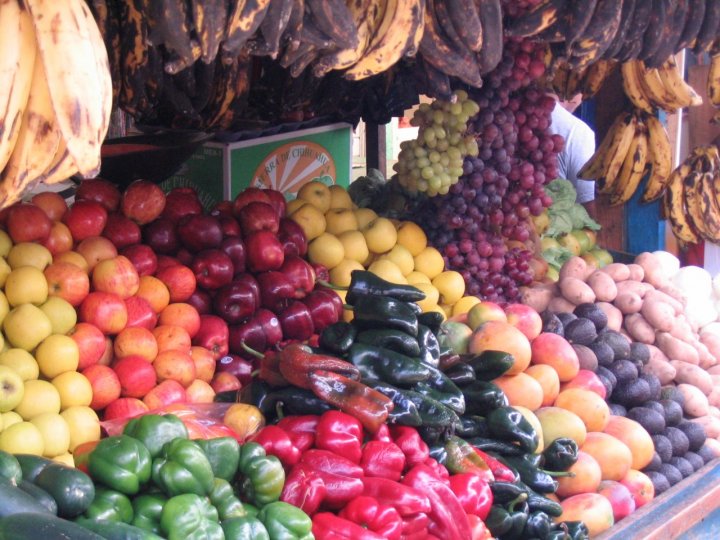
642 304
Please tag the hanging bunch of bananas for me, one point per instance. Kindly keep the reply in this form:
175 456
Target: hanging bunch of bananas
55 94
663 87
636 145
568 82
692 199
649 30
713 80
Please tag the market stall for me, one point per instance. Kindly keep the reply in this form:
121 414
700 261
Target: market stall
220 335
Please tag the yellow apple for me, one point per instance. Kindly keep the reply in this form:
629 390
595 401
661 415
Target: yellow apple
571 243
57 354
9 418
327 250
339 220
22 362
310 219
416 277
340 275
364 216
4 306
354 245
4 271
410 235
464 304
380 235
387 270
55 433
40 397
12 388
74 389
429 262
84 425
451 286
73 257
5 243
339 197
29 254
432 295
22 438
66 459
401 257
293 205
61 313
316 193
26 326
26 285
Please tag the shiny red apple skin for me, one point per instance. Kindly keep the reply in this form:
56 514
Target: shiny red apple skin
101 191
236 302
234 247
180 202
277 201
213 335
161 235
258 216
202 301
85 219
301 275
263 251
143 258
213 269
121 231
246 196
199 232
296 321
292 237
28 223
143 201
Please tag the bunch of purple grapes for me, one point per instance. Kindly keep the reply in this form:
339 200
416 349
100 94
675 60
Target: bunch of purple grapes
503 186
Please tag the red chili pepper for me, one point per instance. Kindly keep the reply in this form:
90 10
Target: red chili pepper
383 434
327 461
300 429
411 444
304 488
374 516
441 472
297 362
278 443
478 529
415 523
462 458
501 472
446 514
328 526
473 493
366 404
270 369
405 499
340 433
384 459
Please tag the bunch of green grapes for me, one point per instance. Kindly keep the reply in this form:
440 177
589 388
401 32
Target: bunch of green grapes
434 161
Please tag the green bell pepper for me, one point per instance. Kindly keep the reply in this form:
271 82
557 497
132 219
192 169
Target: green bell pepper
182 468
122 463
154 430
223 453
250 510
244 528
148 509
190 517
110 505
224 500
508 424
286 522
263 475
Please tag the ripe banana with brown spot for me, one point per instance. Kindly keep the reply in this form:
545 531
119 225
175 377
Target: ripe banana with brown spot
654 88
595 76
244 18
632 87
615 157
621 129
539 18
675 207
659 159
633 168
674 83
713 81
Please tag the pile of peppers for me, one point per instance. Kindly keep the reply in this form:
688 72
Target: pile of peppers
155 478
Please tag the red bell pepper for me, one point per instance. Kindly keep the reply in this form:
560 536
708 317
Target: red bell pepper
326 461
304 488
328 526
340 433
382 434
438 468
370 514
420 535
415 523
383 459
501 472
406 500
447 517
473 493
301 430
278 443
342 478
478 529
411 444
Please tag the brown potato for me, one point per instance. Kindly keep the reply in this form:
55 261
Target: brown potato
675 349
574 267
660 315
614 315
640 329
576 291
696 403
628 302
603 286
617 271
692 374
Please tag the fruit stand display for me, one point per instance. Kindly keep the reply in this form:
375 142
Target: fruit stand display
443 354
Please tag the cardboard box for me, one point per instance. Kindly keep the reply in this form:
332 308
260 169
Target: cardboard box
284 161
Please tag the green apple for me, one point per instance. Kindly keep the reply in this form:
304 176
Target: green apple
5 243
62 315
583 239
552 274
602 256
26 326
12 389
26 285
571 243
547 242
22 362
29 254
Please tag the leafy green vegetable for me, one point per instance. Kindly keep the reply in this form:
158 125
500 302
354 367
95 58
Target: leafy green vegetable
556 256
565 214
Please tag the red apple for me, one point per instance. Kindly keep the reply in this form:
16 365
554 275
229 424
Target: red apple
640 486
296 321
229 226
277 201
164 394
213 269
105 310
200 392
143 258
250 333
236 301
270 325
105 385
136 375
95 249
586 380
204 363
321 272
165 261
247 196
258 216
213 335
140 313
161 236
142 201
301 275
28 223
202 301
292 237
225 382
180 202
116 275
263 251
238 366
525 319
85 219
60 239
121 231
180 281
275 290
52 203
124 408
322 309
620 498
222 209
234 247
67 281
91 343
101 191
200 232
184 256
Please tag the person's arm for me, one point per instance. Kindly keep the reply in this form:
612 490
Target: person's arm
591 208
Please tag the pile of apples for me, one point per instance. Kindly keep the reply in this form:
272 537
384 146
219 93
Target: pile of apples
344 238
